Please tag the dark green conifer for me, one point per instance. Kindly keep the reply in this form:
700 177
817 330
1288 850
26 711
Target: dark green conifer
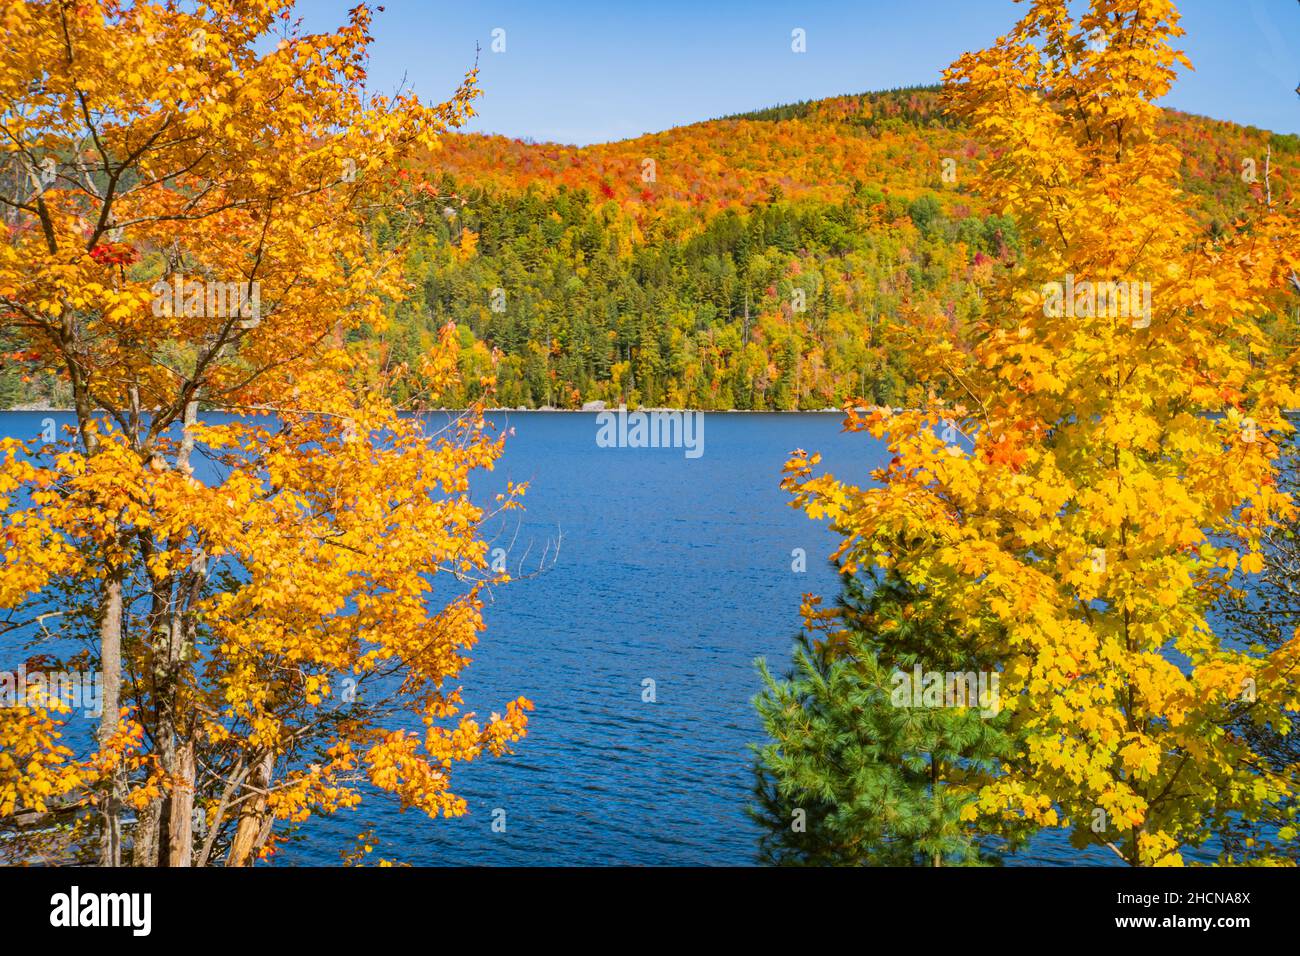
852 775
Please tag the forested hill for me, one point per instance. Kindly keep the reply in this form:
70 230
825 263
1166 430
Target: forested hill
818 150
749 262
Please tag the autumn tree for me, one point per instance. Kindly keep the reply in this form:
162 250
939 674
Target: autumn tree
1266 614
192 200
1101 464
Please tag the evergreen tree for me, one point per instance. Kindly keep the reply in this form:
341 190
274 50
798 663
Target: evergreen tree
850 776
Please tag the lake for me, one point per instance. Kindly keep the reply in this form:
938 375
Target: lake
672 569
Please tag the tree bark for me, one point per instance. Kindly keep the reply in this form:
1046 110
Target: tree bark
253 829
144 845
180 827
110 658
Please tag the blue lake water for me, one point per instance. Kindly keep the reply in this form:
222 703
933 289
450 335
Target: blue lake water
673 569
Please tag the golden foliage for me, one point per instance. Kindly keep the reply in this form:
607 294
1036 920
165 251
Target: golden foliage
1089 481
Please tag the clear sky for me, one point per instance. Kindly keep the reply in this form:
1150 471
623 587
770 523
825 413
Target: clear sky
586 71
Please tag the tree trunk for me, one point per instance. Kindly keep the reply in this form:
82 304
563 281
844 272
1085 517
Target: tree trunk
150 831
180 826
174 733
164 833
253 829
110 662
144 845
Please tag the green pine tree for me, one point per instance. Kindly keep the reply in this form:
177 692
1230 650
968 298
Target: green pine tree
852 778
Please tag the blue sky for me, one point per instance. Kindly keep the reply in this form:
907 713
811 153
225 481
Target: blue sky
583 71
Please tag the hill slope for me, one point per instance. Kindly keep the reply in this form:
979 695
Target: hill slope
748 262
751 262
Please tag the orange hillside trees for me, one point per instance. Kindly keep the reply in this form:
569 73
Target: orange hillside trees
1100 465
188 198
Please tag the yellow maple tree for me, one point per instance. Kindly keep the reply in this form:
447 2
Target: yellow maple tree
1091 474
275 594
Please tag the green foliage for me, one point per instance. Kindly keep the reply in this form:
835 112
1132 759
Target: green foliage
772 307
849 778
